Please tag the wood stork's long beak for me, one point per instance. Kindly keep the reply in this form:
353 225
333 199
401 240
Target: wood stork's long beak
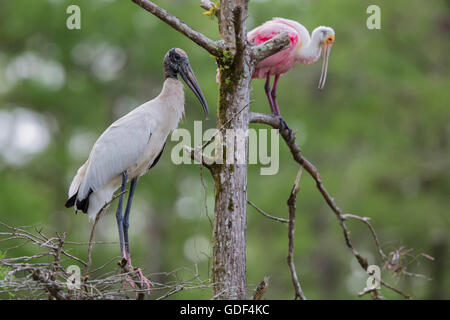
323 76
188 76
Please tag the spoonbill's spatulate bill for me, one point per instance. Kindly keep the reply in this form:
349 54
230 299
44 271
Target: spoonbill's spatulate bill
131 146
304 48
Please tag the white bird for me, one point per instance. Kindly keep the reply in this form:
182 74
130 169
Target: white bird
131 146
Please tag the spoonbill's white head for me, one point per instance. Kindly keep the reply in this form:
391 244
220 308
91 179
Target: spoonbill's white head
323 37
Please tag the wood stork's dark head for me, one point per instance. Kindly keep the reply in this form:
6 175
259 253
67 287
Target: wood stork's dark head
176 62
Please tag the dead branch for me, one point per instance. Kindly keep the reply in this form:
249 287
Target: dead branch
290 258
289 138
91 237
266 214
209 45
196 152
20 233
28 277
261 289
372 230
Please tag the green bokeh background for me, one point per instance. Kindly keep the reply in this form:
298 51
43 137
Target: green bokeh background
379 134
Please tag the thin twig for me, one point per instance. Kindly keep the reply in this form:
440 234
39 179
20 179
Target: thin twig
372 230
290 258
205 196
266 214
91 237
172 292
196 154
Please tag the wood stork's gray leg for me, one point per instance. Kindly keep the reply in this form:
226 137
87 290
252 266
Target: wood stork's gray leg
126 254
119 217
126 217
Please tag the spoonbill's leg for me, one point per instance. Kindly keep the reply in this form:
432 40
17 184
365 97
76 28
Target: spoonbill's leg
126 217
274 95
119 217
269 96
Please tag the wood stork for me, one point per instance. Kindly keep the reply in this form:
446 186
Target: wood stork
131 146
304 48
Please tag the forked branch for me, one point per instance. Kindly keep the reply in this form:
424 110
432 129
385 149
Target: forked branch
203 41
289 138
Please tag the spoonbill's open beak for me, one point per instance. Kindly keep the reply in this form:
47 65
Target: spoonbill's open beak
188 76
326 54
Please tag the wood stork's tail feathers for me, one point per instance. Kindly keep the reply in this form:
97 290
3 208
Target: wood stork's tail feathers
73 190
74 200
82 205
93 203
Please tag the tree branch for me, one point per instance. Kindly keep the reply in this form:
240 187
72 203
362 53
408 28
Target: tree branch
196 152
278 43
266 214
261 289
289 138
372 230
207 5
91 238
210 7
28 277
209 45
290 258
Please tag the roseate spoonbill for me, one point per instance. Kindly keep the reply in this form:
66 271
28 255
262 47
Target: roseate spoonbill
304 48
131 146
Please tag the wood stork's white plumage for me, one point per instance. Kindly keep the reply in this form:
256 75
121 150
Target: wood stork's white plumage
132 145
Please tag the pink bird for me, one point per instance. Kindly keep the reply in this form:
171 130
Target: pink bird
304 48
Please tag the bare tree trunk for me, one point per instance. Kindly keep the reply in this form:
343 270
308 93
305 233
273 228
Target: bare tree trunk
230 180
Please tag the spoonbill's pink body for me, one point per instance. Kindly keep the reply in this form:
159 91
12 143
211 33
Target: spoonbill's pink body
303 48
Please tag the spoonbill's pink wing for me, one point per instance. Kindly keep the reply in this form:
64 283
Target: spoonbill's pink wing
279 60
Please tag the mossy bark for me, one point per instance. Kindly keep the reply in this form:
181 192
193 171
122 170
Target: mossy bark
230 180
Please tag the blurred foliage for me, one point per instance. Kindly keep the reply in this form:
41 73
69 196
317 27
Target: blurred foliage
379 134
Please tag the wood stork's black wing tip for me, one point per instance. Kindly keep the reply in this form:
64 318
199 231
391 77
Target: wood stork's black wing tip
71 201
82 205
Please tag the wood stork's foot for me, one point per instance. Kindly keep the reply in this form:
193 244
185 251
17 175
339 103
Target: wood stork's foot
284 126
128 280
144 281
134 277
